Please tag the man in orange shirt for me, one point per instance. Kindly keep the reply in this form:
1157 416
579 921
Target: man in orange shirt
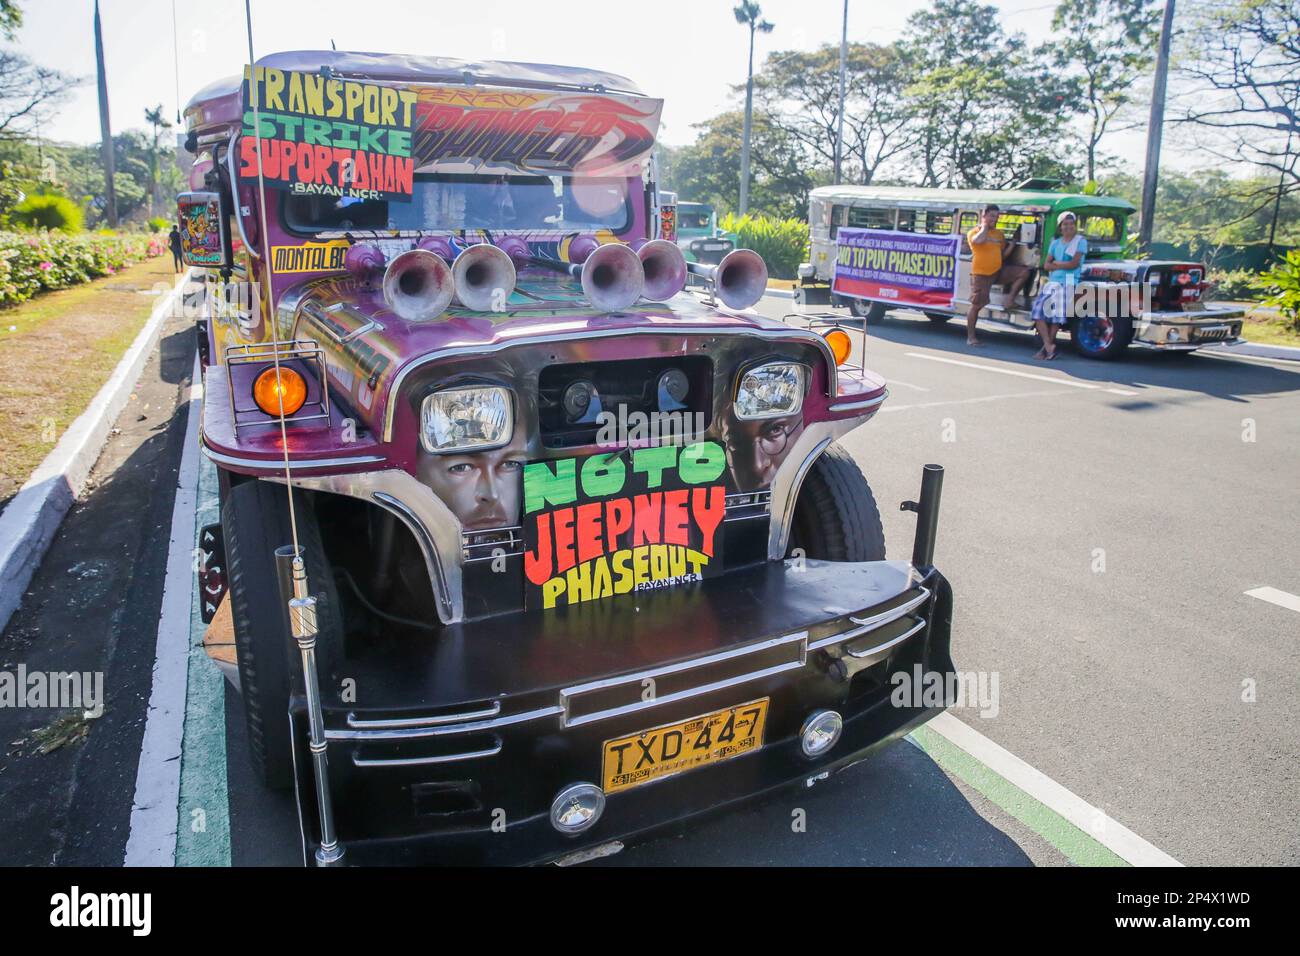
988 246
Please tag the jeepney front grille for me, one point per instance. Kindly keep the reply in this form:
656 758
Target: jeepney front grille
751 504
1212 335
492 543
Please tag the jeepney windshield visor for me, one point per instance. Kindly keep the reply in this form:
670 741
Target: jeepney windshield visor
443 202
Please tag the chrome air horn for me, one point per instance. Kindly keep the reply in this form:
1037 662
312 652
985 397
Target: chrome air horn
612 277
739 280
418 285
485 276
664 267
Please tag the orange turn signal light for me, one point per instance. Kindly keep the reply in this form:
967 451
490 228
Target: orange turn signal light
840 345
289 391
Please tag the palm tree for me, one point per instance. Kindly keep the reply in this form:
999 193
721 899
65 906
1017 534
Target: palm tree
748 14
154 117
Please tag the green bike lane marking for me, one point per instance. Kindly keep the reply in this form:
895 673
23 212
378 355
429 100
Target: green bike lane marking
1077 846
203 810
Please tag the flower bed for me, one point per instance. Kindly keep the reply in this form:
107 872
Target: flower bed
35 262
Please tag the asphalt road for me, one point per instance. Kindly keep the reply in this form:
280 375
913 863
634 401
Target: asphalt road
1101 524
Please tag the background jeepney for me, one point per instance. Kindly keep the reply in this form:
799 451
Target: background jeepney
698 234
500 622
1175 317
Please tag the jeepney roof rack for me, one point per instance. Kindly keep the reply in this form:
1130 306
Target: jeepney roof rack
1045 185
203 108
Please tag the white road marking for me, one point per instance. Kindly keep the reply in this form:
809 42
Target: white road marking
972 401
152 841
1273 596
919 388
1018 374
1287 366
1107 831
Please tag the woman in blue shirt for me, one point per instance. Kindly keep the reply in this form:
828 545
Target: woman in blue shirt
1055 300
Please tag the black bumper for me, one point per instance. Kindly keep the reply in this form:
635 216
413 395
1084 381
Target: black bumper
453 753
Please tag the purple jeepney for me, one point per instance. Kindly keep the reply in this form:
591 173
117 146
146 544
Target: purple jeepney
533 536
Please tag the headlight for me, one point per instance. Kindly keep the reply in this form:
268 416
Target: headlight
771 391
465 419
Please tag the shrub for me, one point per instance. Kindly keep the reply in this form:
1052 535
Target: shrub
48 212
1282 283
783 243
159 224
1238 285
34 262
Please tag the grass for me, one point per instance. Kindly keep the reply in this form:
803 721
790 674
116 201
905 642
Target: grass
66 729
1268 328
56 352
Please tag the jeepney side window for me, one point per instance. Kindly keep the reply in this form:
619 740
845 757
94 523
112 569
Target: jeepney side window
938 223
837 219
968 221
1100 227
906 220
864 217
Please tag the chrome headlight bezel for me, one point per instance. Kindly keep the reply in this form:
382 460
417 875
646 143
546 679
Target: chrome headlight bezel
768 369
490 393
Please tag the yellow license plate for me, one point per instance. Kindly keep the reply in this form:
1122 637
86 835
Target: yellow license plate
675 748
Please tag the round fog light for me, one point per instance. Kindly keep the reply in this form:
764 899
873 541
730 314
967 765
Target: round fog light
820 732
577 807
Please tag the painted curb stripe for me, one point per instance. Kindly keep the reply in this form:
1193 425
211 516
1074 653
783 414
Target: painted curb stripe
1089 821
152 841
203 815
33 516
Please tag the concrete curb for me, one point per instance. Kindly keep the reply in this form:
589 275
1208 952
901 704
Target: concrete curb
32 516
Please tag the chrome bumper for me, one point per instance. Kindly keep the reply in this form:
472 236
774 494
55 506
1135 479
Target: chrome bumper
1185 331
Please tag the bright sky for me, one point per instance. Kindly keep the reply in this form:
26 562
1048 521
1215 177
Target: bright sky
689 52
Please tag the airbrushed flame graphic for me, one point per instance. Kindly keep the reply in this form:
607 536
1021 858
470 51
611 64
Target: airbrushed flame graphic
565 133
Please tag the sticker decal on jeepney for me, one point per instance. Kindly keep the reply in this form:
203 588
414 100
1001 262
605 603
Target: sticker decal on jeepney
309 257
635 520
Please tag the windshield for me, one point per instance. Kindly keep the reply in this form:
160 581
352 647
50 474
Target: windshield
447 202
1103 227
693 216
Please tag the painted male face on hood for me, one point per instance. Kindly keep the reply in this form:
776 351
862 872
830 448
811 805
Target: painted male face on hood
481 488
756 449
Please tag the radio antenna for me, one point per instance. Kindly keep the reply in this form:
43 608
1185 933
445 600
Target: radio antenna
176 62
254 99
301 604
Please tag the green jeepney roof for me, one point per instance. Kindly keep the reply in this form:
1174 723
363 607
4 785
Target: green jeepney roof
913 195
